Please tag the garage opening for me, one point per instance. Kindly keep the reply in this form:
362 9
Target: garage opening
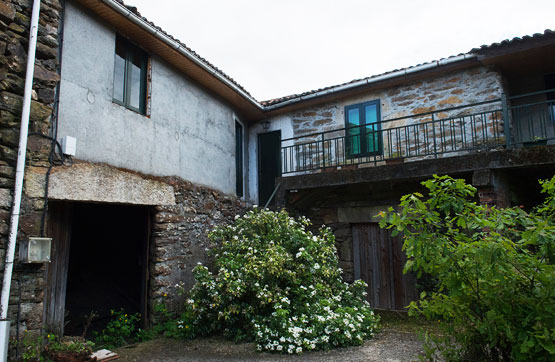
103 251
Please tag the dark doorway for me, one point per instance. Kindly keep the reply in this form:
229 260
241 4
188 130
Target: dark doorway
379 261
107 264
269 164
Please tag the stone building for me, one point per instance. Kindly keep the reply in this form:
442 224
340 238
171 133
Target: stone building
167 146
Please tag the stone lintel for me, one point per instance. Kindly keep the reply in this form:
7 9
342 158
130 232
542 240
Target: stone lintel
98 183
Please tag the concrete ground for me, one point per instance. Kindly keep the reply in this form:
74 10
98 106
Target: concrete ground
390 345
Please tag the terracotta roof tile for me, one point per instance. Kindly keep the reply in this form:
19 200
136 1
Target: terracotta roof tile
515 40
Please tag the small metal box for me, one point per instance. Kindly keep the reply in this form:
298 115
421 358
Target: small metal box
35 250
69 145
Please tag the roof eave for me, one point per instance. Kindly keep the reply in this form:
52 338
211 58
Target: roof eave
156 41
380 80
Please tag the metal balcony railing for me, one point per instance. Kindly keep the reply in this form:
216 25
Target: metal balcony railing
440 133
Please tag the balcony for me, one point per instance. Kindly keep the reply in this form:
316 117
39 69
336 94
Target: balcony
441 133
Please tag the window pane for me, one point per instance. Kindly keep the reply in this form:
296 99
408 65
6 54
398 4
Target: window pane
119 77
371 114
353 134
134 83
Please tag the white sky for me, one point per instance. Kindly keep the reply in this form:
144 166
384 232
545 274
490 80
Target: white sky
274 48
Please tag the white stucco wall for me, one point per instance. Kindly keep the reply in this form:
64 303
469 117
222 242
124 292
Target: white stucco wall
189 133
278 123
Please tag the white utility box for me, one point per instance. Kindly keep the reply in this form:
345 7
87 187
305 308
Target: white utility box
69 145
35 250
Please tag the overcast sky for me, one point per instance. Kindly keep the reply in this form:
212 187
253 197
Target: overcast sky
275 48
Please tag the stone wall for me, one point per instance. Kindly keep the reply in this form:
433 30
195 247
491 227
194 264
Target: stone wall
454 89
180 237
414 134
14 33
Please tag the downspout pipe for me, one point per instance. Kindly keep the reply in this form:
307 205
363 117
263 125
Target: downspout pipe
18 189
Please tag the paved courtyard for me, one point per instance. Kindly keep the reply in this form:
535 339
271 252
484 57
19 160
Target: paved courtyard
389 345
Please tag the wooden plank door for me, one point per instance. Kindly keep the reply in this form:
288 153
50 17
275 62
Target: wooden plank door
59 229
145 273
379 261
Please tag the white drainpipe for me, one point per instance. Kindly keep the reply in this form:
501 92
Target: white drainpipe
18 189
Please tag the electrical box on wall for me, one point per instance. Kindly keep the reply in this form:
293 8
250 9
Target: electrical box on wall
35 250
69 145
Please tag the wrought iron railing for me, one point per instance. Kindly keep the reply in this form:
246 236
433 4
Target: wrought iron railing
440 133
533 118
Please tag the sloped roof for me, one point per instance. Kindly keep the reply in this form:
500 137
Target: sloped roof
271 102
242 95
135 11
514 41
503 43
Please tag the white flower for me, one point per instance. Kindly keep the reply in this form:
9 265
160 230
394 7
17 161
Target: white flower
299 349
236 217
316 266
279 347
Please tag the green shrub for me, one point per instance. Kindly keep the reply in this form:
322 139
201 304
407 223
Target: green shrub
279 285
38 348
122 329
494 267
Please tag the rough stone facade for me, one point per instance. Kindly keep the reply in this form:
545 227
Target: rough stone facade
180 236
455 89
407 129
14 33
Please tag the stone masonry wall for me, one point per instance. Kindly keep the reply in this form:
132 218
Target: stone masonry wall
454 89
407 100
14 34
180 237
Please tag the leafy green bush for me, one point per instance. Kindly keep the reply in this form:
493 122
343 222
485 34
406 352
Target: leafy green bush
173 326
495 272
122 329
279 285
47 348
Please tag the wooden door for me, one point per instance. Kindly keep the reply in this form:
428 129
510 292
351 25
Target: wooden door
59 229
269 164
379 261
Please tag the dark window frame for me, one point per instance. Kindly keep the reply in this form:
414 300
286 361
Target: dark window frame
130 51
364 151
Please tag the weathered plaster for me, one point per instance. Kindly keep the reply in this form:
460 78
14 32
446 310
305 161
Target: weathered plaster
189 132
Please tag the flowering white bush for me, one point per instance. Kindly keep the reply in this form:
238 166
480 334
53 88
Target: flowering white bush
279 285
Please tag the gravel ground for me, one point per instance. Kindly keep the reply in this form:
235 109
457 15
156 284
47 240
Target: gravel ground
389 345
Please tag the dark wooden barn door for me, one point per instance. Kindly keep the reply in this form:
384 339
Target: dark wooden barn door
60 217
379 261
